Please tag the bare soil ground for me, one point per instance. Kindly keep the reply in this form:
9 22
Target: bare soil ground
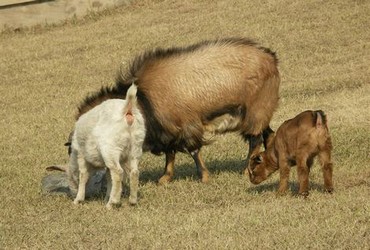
20 14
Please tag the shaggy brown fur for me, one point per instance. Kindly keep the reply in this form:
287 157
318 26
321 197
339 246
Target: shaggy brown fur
210 87
297 142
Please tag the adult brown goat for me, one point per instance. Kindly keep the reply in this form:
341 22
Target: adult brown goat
297 142
185 93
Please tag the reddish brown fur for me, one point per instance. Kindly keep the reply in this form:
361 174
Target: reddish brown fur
296 142
211 87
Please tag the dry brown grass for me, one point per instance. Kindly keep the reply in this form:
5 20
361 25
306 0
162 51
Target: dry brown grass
324 51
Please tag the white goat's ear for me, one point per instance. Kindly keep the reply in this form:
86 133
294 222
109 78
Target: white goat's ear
62 168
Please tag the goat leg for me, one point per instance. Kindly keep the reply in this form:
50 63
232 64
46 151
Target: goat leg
134 181
303 172
108 178
255 142
201 167
84 177
169 168
284 175
116 173
327 166
267 135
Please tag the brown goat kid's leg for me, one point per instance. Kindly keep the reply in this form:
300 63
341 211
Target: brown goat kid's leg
201 167
327 168
303 172
169 169
284 176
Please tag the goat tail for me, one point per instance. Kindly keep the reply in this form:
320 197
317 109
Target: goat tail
320 118
130 103
131 94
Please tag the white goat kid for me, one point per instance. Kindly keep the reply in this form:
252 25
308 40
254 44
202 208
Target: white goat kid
110 135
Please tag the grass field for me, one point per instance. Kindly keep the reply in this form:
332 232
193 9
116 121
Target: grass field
324 53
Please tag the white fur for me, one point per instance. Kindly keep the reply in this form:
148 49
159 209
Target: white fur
103 137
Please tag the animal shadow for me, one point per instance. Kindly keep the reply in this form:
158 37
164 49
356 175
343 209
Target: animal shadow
293 187
188 170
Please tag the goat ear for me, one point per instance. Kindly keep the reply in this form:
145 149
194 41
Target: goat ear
319 120
62 168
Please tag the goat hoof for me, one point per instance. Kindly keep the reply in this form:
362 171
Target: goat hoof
281 192
329 190
77 201
304 194
132 202
110 206
205 178
165 179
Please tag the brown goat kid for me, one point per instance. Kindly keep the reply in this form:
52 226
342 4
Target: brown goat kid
185 94
297 142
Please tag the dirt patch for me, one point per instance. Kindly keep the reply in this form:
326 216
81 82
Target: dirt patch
29 13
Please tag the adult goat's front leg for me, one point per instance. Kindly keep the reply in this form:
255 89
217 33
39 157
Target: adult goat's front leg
255 142
202 170
169 168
